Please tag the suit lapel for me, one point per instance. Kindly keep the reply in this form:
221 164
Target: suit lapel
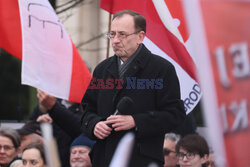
112 68
136 65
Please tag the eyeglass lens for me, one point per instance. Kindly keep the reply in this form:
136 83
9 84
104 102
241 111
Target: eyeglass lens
167 151
6 147
120 35
188 156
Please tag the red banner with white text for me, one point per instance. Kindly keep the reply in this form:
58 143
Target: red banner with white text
226 29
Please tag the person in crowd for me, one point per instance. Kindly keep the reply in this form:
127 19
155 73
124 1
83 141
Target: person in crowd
192 150
65 118
170 156
148 80
30 133
34 156
79 151
9 144
17 163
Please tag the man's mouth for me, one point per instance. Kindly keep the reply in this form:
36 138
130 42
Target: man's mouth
116 46
78 160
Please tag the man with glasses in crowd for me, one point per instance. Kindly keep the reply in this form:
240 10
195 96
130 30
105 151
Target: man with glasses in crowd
192 151
152 84
170 156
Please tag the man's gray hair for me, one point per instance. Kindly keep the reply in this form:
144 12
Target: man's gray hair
173 137
12 134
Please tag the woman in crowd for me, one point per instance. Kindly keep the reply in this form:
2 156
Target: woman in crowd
33 156
192 151
9 144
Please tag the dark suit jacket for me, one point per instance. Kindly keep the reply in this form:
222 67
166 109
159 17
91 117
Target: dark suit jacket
157 110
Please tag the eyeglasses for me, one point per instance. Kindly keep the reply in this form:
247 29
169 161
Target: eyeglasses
189 156
120 35
167 151
6 147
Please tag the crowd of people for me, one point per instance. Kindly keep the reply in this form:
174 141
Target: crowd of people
16 151
87 134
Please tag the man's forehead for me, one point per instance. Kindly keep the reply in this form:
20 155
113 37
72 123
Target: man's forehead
76 148
124 16
6 139
183 150
168 141
122 23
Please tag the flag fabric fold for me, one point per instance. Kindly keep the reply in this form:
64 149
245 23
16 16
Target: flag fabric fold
50 60
10 28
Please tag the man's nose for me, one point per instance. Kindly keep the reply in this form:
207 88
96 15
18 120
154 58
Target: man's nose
116 39
28 165
185 158
2 149
77 155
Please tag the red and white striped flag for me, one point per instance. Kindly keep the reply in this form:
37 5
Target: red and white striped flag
166 36
30 30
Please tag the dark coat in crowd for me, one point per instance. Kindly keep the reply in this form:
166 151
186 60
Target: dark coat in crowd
66 127
157 110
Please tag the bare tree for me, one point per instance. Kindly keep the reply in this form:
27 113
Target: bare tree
68 5
65 11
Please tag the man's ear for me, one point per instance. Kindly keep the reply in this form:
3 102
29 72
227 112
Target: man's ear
141 37
204 159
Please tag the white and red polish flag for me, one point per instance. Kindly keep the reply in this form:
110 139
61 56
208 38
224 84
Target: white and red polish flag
30 30
166 36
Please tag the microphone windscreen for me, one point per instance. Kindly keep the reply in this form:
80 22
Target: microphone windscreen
124 104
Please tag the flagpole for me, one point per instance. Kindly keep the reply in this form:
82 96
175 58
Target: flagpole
108 41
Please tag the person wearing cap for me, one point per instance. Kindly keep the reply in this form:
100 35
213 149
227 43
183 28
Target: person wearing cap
9 145
30 133
79 151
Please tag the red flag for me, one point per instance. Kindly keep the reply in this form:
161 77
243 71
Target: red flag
10 28
222 38
164 39
156 31
50 61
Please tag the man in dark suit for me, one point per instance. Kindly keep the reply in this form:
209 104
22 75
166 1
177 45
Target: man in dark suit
149 80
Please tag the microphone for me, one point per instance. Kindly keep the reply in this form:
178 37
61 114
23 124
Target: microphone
123 105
